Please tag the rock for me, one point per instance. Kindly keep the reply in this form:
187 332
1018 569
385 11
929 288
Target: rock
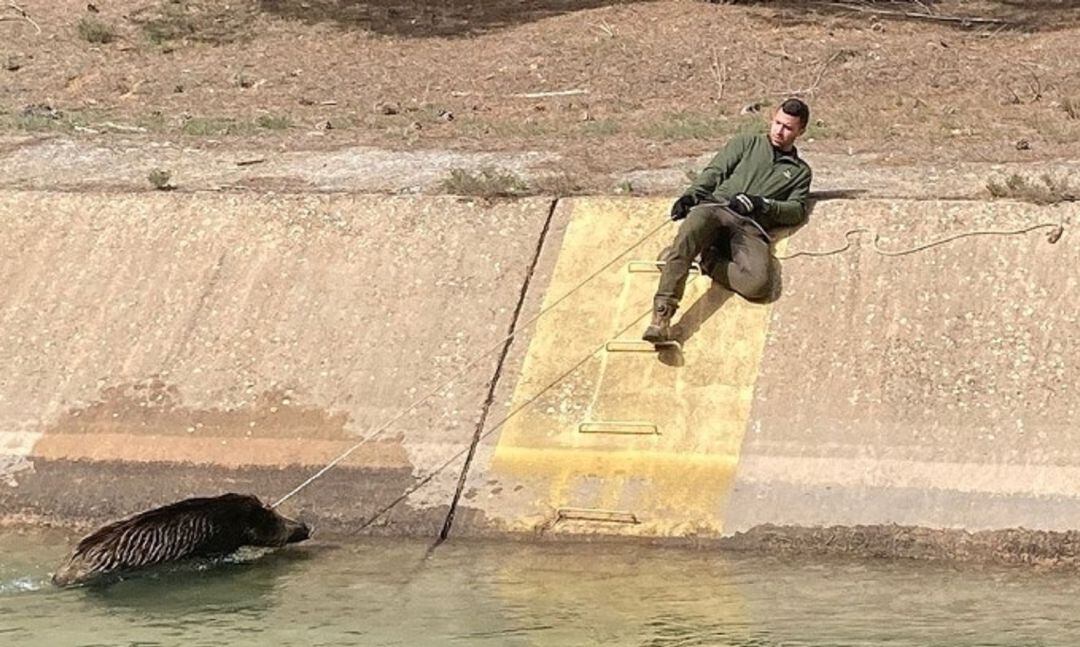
1023 145
41 110
751 108
388 108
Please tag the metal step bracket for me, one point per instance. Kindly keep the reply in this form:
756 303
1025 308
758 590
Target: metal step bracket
593 514
623 427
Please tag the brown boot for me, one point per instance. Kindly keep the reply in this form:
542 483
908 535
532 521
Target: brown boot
659 330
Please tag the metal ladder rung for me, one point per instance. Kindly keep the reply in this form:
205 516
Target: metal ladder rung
592 514
640 346
654 267
623 427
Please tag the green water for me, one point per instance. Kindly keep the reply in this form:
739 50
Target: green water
465 593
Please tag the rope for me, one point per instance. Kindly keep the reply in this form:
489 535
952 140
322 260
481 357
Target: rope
1052 237
506 418
1055 234
468 366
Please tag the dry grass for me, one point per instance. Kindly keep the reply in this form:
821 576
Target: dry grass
488 182
559 184
1045 190
159 179
179 21
1071 106
601 128
95 31
273 122
223 126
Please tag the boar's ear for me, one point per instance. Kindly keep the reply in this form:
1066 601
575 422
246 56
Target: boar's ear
262 523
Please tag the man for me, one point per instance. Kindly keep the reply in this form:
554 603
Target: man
756 183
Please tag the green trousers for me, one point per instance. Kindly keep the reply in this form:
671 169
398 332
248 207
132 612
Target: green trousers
734 252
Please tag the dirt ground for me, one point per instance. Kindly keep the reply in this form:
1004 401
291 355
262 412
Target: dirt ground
602 86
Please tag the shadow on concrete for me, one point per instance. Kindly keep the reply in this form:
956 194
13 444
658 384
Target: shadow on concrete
428 18
698 313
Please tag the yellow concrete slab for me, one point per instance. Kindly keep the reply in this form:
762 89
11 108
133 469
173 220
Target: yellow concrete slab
649 438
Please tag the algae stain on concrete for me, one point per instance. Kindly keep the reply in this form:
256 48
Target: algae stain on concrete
154 407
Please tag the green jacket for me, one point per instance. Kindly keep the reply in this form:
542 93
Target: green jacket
749 164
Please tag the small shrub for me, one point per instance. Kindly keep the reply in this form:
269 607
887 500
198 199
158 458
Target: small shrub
155 121
40 117
558 184
35 123
821 129
159 179
1047 190
488 182
94 31
272 122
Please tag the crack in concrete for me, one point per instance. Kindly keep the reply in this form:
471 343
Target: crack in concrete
493 384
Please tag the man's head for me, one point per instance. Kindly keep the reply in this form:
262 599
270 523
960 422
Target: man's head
788 123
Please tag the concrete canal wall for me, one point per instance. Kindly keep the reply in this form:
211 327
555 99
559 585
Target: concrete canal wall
162 345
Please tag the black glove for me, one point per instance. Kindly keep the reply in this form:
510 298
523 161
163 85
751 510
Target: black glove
682 207
747 205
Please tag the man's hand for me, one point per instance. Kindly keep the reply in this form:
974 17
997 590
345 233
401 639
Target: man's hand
748 205
682 207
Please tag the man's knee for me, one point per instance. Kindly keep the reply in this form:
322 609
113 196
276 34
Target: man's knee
715 214
697 218
753 284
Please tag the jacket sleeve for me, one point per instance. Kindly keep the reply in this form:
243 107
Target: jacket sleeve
718 169
791 210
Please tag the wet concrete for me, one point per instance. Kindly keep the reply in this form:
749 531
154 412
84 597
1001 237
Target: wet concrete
1015 546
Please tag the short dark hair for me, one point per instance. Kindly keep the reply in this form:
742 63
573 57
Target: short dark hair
797 108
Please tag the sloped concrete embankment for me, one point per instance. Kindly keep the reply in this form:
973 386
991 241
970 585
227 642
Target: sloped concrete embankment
163 345
933 389
158 346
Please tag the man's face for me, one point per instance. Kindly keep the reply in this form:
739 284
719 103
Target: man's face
784 130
